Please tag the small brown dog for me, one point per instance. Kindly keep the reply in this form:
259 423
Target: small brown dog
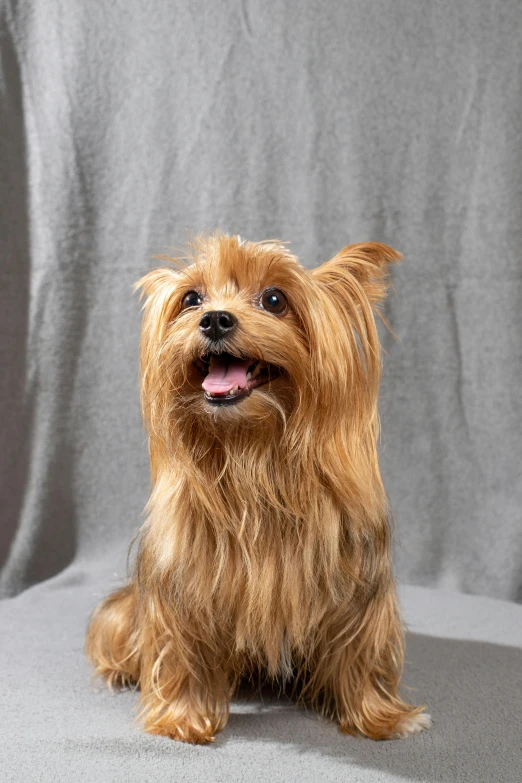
267 544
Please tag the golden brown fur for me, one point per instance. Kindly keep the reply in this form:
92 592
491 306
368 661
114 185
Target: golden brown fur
267 543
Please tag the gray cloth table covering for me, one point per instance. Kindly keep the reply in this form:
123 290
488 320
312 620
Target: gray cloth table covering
464 658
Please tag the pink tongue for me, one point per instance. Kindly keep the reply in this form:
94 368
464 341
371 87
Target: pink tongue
225 373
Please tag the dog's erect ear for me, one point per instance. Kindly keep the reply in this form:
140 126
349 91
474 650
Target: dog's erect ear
367 262
156 289
155 281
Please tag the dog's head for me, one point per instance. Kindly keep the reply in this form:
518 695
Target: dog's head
246 335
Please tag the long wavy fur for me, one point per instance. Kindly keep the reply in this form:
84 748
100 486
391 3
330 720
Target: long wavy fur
266 548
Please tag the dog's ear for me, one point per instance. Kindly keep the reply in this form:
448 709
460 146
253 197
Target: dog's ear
156 281
156 291
367 263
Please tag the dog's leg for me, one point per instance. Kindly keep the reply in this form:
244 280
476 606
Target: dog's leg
358 677
111 639
184 694
377 711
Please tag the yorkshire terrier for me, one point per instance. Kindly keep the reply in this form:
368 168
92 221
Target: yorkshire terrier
266 550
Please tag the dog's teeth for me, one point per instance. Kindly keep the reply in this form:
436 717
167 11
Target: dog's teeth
249 376
235 388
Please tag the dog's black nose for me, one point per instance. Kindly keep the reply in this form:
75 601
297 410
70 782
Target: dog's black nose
217 324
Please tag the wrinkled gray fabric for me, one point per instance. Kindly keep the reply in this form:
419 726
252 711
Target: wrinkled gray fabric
125 126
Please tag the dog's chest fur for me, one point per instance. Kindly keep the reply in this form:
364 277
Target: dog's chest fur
259 575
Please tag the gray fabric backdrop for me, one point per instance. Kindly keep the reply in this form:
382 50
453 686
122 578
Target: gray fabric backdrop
125 125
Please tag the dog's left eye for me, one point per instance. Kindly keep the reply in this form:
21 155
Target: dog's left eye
191 299
274 301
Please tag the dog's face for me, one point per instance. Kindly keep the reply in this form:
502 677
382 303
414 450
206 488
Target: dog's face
245 333
237 318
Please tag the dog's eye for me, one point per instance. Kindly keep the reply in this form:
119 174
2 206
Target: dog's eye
274 301
191 299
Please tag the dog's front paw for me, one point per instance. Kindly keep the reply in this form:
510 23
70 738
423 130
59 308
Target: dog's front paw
183 732
394 727
411 724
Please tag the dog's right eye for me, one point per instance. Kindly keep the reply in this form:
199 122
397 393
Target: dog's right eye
191 299
274 301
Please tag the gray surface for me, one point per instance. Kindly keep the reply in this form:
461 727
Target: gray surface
123 126
58 729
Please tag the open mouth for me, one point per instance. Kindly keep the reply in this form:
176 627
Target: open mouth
229 379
